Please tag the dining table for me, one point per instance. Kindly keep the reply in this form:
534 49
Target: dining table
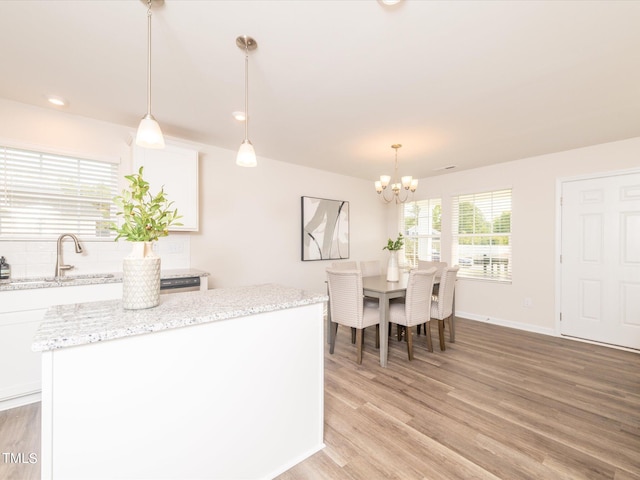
377 286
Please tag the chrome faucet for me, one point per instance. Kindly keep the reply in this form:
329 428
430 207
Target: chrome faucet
59 266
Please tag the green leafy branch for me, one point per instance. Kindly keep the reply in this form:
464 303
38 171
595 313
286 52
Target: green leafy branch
397 245
145 217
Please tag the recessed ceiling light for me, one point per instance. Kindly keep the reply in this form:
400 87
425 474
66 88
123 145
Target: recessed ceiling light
56 100
390 2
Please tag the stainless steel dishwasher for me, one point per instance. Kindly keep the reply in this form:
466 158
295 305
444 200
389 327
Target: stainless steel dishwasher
179 284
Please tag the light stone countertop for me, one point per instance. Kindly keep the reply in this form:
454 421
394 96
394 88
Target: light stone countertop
85 323
86 279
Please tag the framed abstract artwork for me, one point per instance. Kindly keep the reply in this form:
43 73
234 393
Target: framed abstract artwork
325 229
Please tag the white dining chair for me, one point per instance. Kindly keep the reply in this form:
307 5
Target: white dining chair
370 268
426 264
440 266
348 307
442 304
352 265
416 308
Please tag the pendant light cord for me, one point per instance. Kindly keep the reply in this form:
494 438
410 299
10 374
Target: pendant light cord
246 91
149 58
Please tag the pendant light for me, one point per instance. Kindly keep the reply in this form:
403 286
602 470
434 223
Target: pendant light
149 133
246 155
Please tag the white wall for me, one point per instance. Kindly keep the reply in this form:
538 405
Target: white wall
534 181
43 129
250 218
251 221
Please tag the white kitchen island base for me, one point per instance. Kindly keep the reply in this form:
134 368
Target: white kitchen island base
238 398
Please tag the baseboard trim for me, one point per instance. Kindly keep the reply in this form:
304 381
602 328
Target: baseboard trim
507 323
20 401
537 329
293 462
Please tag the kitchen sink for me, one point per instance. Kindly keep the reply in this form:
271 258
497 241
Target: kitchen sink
82 277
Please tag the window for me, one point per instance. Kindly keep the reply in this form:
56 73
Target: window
482 235
420 224
43 195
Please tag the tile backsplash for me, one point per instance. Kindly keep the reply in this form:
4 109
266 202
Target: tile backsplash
38 258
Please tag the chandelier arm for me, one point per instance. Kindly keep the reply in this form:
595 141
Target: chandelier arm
402 200
384 198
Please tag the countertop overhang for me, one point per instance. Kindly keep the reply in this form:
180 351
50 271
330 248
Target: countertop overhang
85 323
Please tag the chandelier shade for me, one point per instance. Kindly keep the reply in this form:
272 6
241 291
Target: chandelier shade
406 183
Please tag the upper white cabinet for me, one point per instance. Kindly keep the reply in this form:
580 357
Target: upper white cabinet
176 168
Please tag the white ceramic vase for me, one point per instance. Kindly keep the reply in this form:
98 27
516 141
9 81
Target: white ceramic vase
393 269
141 277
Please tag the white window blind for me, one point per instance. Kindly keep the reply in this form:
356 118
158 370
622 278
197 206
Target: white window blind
420 223
43 195
482 235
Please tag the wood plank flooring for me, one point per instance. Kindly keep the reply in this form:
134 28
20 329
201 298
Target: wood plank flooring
20 436
497 404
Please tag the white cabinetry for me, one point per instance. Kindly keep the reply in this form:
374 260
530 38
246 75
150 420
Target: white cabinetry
176 168
20 367
21 312
188 396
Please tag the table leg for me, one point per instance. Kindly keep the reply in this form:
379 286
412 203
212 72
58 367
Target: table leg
452 321
384 327
328 317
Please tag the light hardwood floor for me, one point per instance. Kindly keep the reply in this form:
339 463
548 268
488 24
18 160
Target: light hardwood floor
20 436
499 403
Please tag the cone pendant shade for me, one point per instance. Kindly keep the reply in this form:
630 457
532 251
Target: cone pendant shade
246 155
149 133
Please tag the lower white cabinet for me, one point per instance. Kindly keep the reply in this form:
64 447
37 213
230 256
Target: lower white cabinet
20 372
21 312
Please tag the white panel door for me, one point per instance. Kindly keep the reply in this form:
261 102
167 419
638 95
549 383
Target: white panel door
600 267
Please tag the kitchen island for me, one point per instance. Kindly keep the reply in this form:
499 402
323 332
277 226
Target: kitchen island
224 383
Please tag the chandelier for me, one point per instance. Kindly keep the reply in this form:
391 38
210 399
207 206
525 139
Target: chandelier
407 183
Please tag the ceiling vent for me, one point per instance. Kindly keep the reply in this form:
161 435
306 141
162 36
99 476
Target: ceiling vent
448 167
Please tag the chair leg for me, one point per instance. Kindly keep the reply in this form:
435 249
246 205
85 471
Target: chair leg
332 334
409 336
378 335
353 335
418 329
359 345
427 329
441 334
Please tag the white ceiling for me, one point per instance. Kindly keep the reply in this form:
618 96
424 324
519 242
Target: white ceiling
334 83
